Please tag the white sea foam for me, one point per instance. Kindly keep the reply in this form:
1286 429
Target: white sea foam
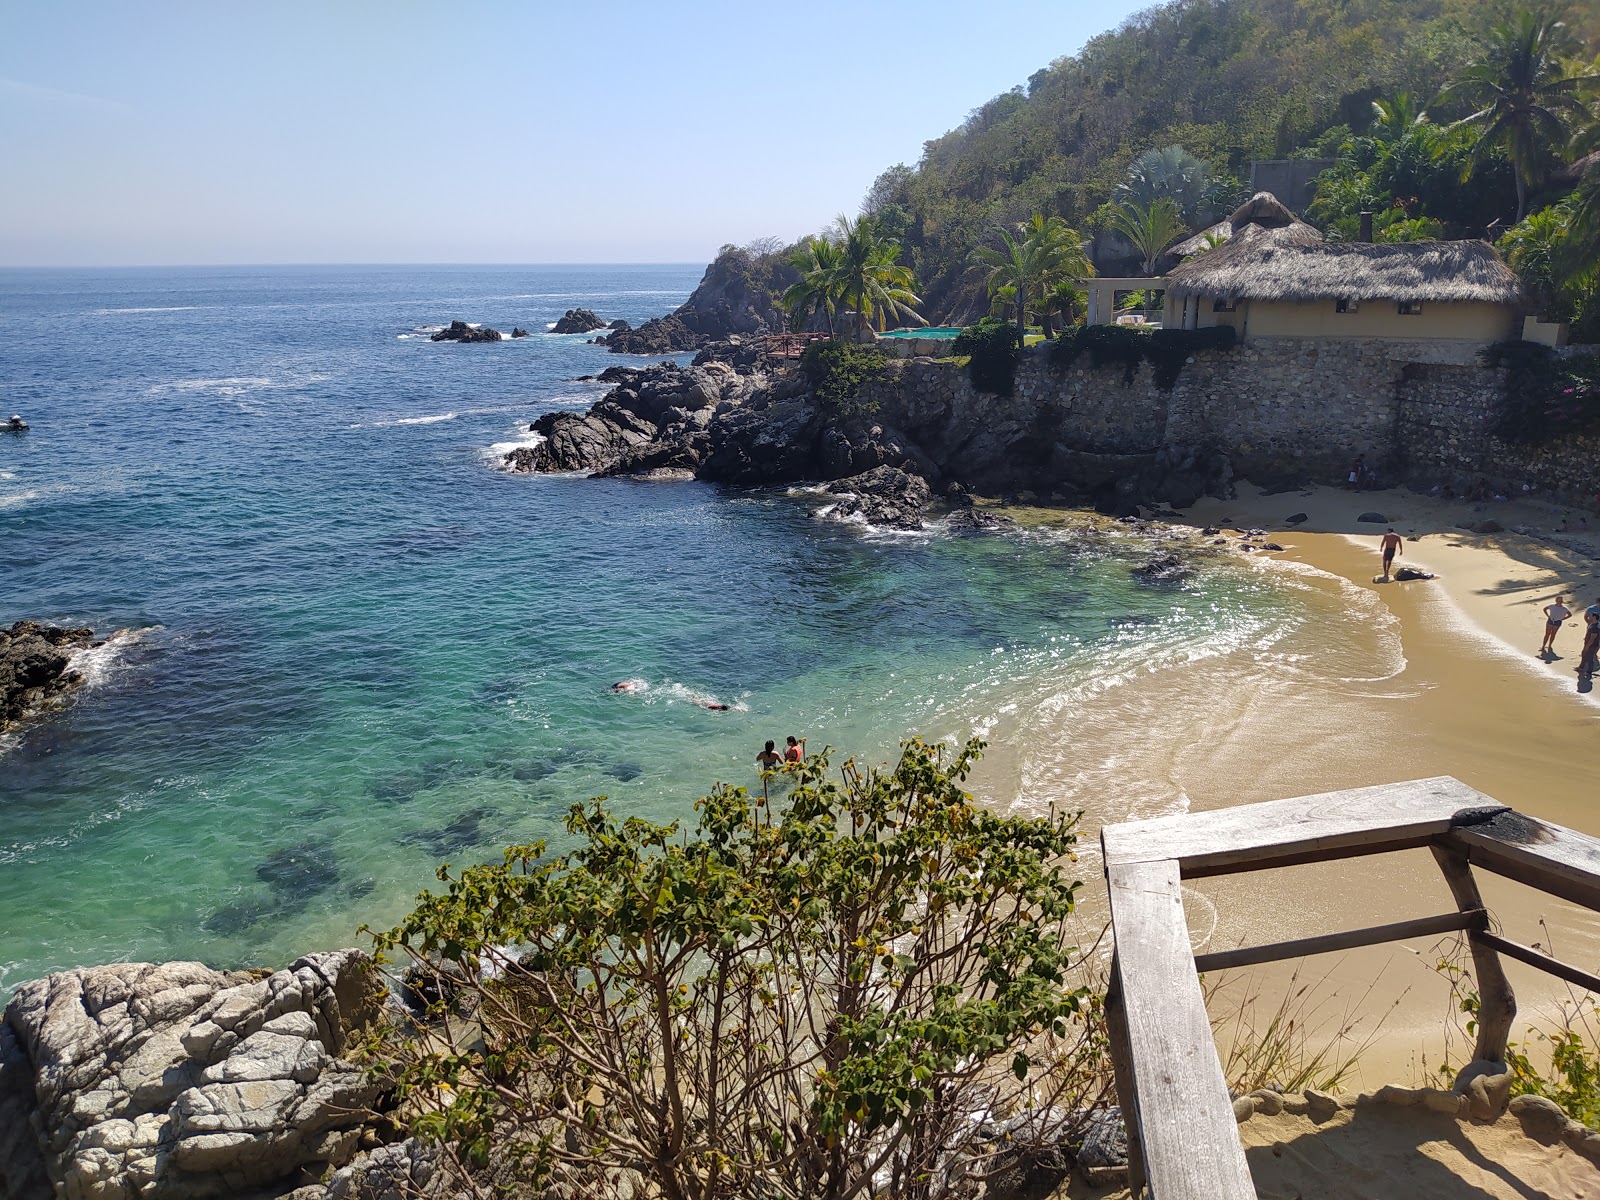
106 312
678 693
497 452
98 663
449 416
236 385
18 499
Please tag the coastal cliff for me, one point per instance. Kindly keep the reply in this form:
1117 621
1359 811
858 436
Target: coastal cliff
1280 412
737 296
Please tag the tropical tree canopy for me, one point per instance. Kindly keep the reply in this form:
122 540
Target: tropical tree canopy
1034 258
1529 100
1150 227
854 268
1172 174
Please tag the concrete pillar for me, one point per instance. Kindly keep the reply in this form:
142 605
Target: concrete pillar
1191 312
1093 315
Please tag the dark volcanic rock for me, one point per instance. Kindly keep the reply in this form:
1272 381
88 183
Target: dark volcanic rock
1162 569
619 324
578 320
1296 519
884 496
977 520
1373 518
36 667
659 335
517 331
460 331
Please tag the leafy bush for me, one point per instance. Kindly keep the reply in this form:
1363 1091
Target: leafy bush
992 350
849 993
838 370
1546 396
1166 350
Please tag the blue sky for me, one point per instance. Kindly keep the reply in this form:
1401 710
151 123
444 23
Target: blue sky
392 131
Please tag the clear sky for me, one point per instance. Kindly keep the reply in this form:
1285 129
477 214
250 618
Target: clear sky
392 131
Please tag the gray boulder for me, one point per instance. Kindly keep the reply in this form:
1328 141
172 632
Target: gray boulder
178 1082
579 320
1373 518
884 496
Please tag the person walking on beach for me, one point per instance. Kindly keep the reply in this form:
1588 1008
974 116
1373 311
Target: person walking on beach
1587 661
795 750
769 759
1554 614
1391 544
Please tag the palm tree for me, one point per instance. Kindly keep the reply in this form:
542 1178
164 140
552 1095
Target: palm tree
869 276
1065 300
1043 252
1151 228
1528 99
817 260
1171 173
1397 116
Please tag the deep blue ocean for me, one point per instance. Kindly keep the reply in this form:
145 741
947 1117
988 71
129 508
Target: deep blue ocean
362 649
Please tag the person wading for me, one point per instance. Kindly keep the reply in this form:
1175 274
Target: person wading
1391 544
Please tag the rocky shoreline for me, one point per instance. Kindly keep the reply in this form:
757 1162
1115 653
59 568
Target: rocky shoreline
36 672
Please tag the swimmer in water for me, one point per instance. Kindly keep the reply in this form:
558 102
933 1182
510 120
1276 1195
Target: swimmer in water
629 685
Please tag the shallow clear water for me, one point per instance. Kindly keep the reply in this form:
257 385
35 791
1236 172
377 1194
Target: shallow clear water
364 649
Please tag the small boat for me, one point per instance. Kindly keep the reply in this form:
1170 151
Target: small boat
15 425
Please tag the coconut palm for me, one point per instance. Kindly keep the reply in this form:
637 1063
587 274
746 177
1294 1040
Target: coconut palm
1042 253
817 291
1529 100
1397 116
870 277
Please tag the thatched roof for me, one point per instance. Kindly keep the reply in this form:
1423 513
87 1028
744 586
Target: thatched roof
1273 255
1221 231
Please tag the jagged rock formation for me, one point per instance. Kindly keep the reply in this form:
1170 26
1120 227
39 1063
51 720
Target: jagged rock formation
738 295
578 320
178 1082
460 331
36 667
884 496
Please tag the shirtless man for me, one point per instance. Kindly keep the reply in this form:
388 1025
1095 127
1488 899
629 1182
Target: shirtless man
1391 544
1554 614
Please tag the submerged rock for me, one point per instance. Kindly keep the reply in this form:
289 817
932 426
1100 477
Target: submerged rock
1163 569
460 331
178 1082
977 520
578 320
36 667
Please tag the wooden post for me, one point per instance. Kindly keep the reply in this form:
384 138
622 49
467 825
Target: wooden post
1498 1004
1122 1068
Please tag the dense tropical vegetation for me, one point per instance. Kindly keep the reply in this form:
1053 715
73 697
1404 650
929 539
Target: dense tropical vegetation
853 272
1034 269
1446 118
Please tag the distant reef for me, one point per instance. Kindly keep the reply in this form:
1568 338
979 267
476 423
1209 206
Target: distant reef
36 668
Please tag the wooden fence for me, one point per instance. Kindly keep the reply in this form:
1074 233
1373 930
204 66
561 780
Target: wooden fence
1183 1140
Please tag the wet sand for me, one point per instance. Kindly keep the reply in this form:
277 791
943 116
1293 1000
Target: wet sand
1397 681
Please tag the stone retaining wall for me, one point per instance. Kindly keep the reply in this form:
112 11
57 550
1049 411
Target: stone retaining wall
1281 410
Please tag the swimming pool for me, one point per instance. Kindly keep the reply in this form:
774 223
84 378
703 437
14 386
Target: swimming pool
931 331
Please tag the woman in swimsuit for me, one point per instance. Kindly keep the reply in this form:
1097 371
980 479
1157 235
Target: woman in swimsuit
1554 614
795 751
769 759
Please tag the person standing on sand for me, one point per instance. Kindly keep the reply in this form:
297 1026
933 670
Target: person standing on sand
1554 614
1391 544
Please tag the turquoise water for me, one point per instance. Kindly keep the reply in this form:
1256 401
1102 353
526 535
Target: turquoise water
931 331
362 649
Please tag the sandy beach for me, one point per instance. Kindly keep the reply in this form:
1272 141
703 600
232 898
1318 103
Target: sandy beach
1473 700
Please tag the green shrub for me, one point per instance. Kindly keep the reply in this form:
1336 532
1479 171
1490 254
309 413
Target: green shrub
992 350
789 999
1166 350
838 370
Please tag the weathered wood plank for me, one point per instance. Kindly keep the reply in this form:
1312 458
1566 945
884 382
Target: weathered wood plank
1329 943
1190 1138
1122 1070
1392 816
1550 857
1536 958
1497 1003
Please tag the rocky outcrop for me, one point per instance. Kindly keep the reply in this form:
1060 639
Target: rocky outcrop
517 331
659 335
36 667
178 1082
737 296
886 497
578 320
460 331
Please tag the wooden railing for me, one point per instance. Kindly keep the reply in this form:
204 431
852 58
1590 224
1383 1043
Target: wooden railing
791 345
1183 1139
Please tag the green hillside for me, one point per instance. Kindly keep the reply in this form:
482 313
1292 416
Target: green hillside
1228 80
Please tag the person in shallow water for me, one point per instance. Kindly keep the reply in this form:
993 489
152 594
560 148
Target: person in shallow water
1391 544
1589 661
769 758
795 750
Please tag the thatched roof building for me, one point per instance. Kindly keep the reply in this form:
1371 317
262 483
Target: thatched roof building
1278 274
